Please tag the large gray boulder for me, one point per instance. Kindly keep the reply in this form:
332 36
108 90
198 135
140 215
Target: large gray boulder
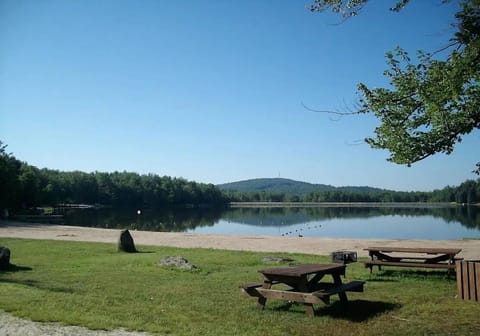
4 258
125 242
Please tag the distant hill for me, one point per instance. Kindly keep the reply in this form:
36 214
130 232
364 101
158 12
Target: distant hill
286 186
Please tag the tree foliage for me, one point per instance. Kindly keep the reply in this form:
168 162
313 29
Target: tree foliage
26 186
431 103
467 192
349 8
8 177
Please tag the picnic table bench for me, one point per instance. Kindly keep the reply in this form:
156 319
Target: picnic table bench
440 258
304 286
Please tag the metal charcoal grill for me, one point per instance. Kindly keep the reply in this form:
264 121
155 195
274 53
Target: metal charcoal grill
344 257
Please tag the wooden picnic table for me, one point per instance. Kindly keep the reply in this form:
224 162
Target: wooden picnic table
304 285
443 258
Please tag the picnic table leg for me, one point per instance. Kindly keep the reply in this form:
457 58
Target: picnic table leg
262 300
309 309
303 287
372 257
338 282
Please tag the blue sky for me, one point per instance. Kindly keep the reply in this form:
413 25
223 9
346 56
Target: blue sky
211 91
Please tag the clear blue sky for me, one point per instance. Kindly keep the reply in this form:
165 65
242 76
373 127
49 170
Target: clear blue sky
210 90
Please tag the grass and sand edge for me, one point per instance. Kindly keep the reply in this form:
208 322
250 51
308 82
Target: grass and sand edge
93 285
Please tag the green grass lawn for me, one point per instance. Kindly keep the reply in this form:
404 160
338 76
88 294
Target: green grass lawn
92 285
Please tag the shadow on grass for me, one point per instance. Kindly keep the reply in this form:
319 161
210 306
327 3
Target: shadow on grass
416 274
357 310
135 252
30 283
37 285
354 311
14 268
380 279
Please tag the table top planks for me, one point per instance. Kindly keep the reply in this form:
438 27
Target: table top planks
428 250
302 270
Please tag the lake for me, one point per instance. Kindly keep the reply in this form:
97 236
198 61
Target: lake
383 222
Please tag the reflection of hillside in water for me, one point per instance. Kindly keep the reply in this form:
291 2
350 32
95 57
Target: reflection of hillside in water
466 216
180 220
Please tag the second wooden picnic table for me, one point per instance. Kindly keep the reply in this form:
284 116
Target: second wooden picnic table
304 283
412 257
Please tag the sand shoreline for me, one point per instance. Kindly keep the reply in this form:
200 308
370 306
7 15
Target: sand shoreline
316 245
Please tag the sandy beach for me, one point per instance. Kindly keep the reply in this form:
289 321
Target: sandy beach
321 246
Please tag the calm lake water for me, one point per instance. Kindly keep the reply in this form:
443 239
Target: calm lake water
388 222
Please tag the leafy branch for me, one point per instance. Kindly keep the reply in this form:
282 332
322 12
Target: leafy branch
430 105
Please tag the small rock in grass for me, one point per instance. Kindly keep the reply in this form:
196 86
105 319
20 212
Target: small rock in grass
178 262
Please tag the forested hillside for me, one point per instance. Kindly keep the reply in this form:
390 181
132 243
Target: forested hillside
285 190
274 185
24 186
287 186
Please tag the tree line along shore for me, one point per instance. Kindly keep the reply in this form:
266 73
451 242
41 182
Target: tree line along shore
28 186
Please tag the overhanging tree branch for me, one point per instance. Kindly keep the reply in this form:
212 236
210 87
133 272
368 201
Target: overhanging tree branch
429 105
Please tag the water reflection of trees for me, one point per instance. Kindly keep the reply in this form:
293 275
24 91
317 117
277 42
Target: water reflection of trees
467 216
178 220
173 220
